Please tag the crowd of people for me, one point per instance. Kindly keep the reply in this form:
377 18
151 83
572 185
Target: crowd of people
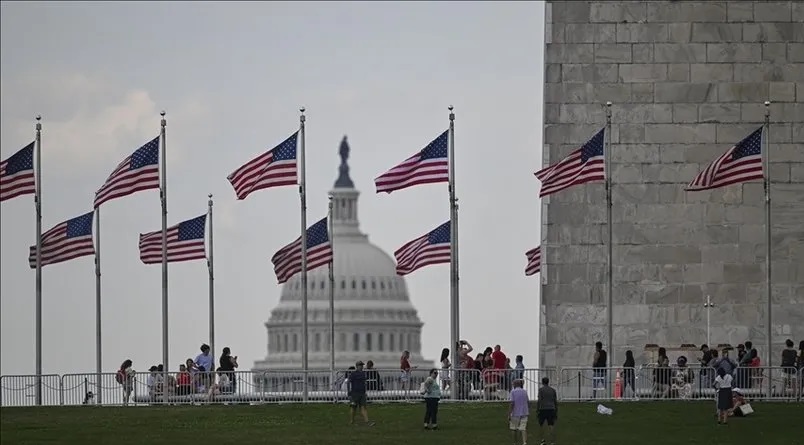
195 376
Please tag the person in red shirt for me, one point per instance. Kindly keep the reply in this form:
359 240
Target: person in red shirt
404 365
184 382
498 357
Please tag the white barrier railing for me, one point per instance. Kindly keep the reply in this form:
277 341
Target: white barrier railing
571 383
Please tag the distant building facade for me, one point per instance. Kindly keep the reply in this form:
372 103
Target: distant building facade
687 80
374 318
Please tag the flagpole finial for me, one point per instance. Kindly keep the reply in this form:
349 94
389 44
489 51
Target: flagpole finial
608 103
162 113
38 122
451 114
767 108
209 196
38 117
164 122
302 118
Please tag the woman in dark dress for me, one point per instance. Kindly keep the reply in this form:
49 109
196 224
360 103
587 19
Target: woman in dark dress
628 372
724 395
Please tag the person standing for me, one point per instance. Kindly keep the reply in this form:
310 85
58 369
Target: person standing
599 364
432 395
518 414
446 380
228 365
724 395
356 388
629 378
547 407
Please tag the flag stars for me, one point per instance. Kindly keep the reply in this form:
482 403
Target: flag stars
192 229
287 149
317 234
80 226
440 234
437 148
148 154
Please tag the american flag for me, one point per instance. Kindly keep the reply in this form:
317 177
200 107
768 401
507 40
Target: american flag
138 172
534 261
741 163
583 165
185 242
428 166
287 261
17 174
432 248
275 168
68 240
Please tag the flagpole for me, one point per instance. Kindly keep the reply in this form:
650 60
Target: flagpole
38 205
768 231
163 195
303 199
455 332
331 297
610 237
98 352
211 269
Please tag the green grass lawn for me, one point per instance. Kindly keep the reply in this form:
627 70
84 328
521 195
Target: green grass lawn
636 423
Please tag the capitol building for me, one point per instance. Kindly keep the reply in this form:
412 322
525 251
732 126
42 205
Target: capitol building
374 318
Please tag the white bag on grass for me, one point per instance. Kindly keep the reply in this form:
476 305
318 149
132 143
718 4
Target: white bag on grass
605 411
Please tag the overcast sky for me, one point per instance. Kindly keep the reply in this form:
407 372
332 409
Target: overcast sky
231 78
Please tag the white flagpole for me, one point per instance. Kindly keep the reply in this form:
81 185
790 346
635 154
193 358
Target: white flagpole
98 350
211 269
331 297
163 193
303 199
38 205
455 331
768 239
610 237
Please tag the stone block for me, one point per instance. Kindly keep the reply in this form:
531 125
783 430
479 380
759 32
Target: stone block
569 133
692 11
797 176
798 12
724 195
591 213
614 92
742 91
733 52
675 133
635 153
773 12
733 133
591 33
774 53
717 32
740 12
795 52
773 32
753 72
780 172
679 32
562 93
690 293
642 53
643 92
635 113
627 134
582 114
552 73
678 72
679 53
718 253
683 113
619 12
719 113
674 92
626 173
612 53
798 131
711 72
783 92
670 173
570 53
742 273
661 293
793 72
590 73
570 12
670 214
554 33
642 32
753 192
745 214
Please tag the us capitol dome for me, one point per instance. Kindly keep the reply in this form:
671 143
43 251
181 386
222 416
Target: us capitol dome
374 318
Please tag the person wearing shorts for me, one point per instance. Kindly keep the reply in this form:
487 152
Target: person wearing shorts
547 406
356 386
518 415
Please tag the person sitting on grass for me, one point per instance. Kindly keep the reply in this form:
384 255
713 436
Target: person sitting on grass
356 387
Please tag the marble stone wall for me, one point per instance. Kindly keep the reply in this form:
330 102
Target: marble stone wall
687 80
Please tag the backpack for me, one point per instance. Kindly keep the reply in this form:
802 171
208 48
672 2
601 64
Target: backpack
120 376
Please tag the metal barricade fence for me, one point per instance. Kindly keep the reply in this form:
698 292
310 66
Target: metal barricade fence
391 385
20 390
